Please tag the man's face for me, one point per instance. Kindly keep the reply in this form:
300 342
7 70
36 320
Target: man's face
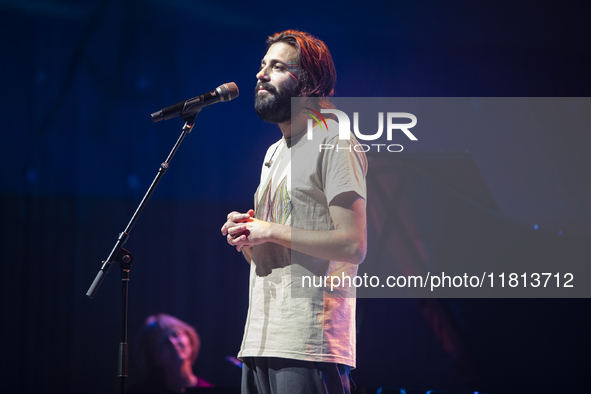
277 83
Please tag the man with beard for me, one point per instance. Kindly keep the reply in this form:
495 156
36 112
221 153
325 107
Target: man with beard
309 217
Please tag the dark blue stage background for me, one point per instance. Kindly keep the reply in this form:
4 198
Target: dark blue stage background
79 81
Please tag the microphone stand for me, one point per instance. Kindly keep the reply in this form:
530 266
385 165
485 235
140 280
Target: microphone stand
124 258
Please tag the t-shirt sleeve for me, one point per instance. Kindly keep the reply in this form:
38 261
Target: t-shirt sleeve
343 169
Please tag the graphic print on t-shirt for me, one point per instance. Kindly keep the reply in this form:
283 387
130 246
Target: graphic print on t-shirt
276 210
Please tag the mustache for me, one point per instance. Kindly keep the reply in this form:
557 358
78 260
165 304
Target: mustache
265 85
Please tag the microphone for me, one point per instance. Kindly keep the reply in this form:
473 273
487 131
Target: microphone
192 106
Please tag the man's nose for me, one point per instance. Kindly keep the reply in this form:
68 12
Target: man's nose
262 74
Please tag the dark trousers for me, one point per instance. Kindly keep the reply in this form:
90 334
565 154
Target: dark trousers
271 375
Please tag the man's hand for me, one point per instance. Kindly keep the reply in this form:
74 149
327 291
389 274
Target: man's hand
233 229
346 243
242 230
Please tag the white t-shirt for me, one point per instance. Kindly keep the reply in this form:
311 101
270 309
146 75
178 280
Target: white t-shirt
285 318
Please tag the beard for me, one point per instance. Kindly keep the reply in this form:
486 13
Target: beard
274 106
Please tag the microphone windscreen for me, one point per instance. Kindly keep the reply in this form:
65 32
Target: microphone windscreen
232 91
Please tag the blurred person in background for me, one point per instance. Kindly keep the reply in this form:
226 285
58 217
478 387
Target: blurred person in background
167 348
